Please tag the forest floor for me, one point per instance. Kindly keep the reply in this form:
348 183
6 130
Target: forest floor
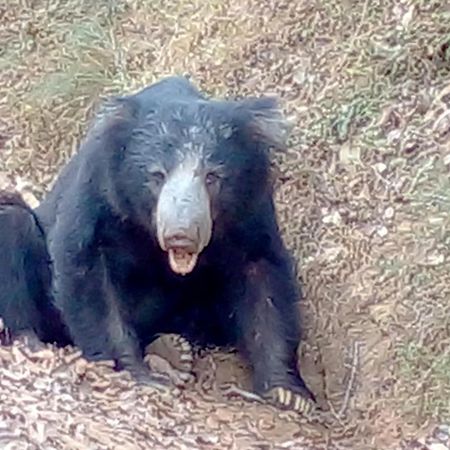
363 196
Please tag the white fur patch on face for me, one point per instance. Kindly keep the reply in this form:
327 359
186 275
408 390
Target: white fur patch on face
183 215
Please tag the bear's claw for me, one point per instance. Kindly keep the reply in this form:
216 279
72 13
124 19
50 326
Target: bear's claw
289 400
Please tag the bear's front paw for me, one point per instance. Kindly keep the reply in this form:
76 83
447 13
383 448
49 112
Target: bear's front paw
171 354
290 399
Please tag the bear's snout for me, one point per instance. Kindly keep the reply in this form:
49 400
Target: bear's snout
183 219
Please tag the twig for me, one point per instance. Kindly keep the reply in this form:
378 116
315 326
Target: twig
351 381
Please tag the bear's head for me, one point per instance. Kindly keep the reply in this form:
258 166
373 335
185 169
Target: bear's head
184 166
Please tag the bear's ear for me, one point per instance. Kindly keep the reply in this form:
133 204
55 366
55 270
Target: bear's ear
114 122
262 121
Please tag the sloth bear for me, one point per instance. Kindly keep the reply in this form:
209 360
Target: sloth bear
162 222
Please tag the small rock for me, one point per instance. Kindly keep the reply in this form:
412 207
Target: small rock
380 167
331 253
382 231
389 212
300 76
436 259
435 220
437 446
334 218
207 439
393 136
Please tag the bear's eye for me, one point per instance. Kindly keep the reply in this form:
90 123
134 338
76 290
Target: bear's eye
212 178
158 176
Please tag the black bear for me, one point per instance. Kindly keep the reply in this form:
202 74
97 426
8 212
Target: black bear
25 275
163 222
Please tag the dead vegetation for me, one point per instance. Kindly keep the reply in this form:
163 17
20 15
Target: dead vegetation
363 200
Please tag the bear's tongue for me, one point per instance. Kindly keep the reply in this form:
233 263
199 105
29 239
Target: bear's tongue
182 261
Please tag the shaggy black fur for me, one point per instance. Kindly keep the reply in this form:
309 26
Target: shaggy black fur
86 266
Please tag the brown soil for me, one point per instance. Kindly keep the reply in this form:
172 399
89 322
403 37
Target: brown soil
363 198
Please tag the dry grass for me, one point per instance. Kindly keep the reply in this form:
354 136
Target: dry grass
364 191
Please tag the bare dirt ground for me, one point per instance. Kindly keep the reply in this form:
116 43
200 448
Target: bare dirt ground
363 198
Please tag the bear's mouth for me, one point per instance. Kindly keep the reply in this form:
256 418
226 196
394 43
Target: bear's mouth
181 260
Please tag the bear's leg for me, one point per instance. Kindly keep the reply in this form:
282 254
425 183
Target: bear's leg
269 333
97 318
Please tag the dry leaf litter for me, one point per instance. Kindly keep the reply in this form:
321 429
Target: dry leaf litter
363 196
